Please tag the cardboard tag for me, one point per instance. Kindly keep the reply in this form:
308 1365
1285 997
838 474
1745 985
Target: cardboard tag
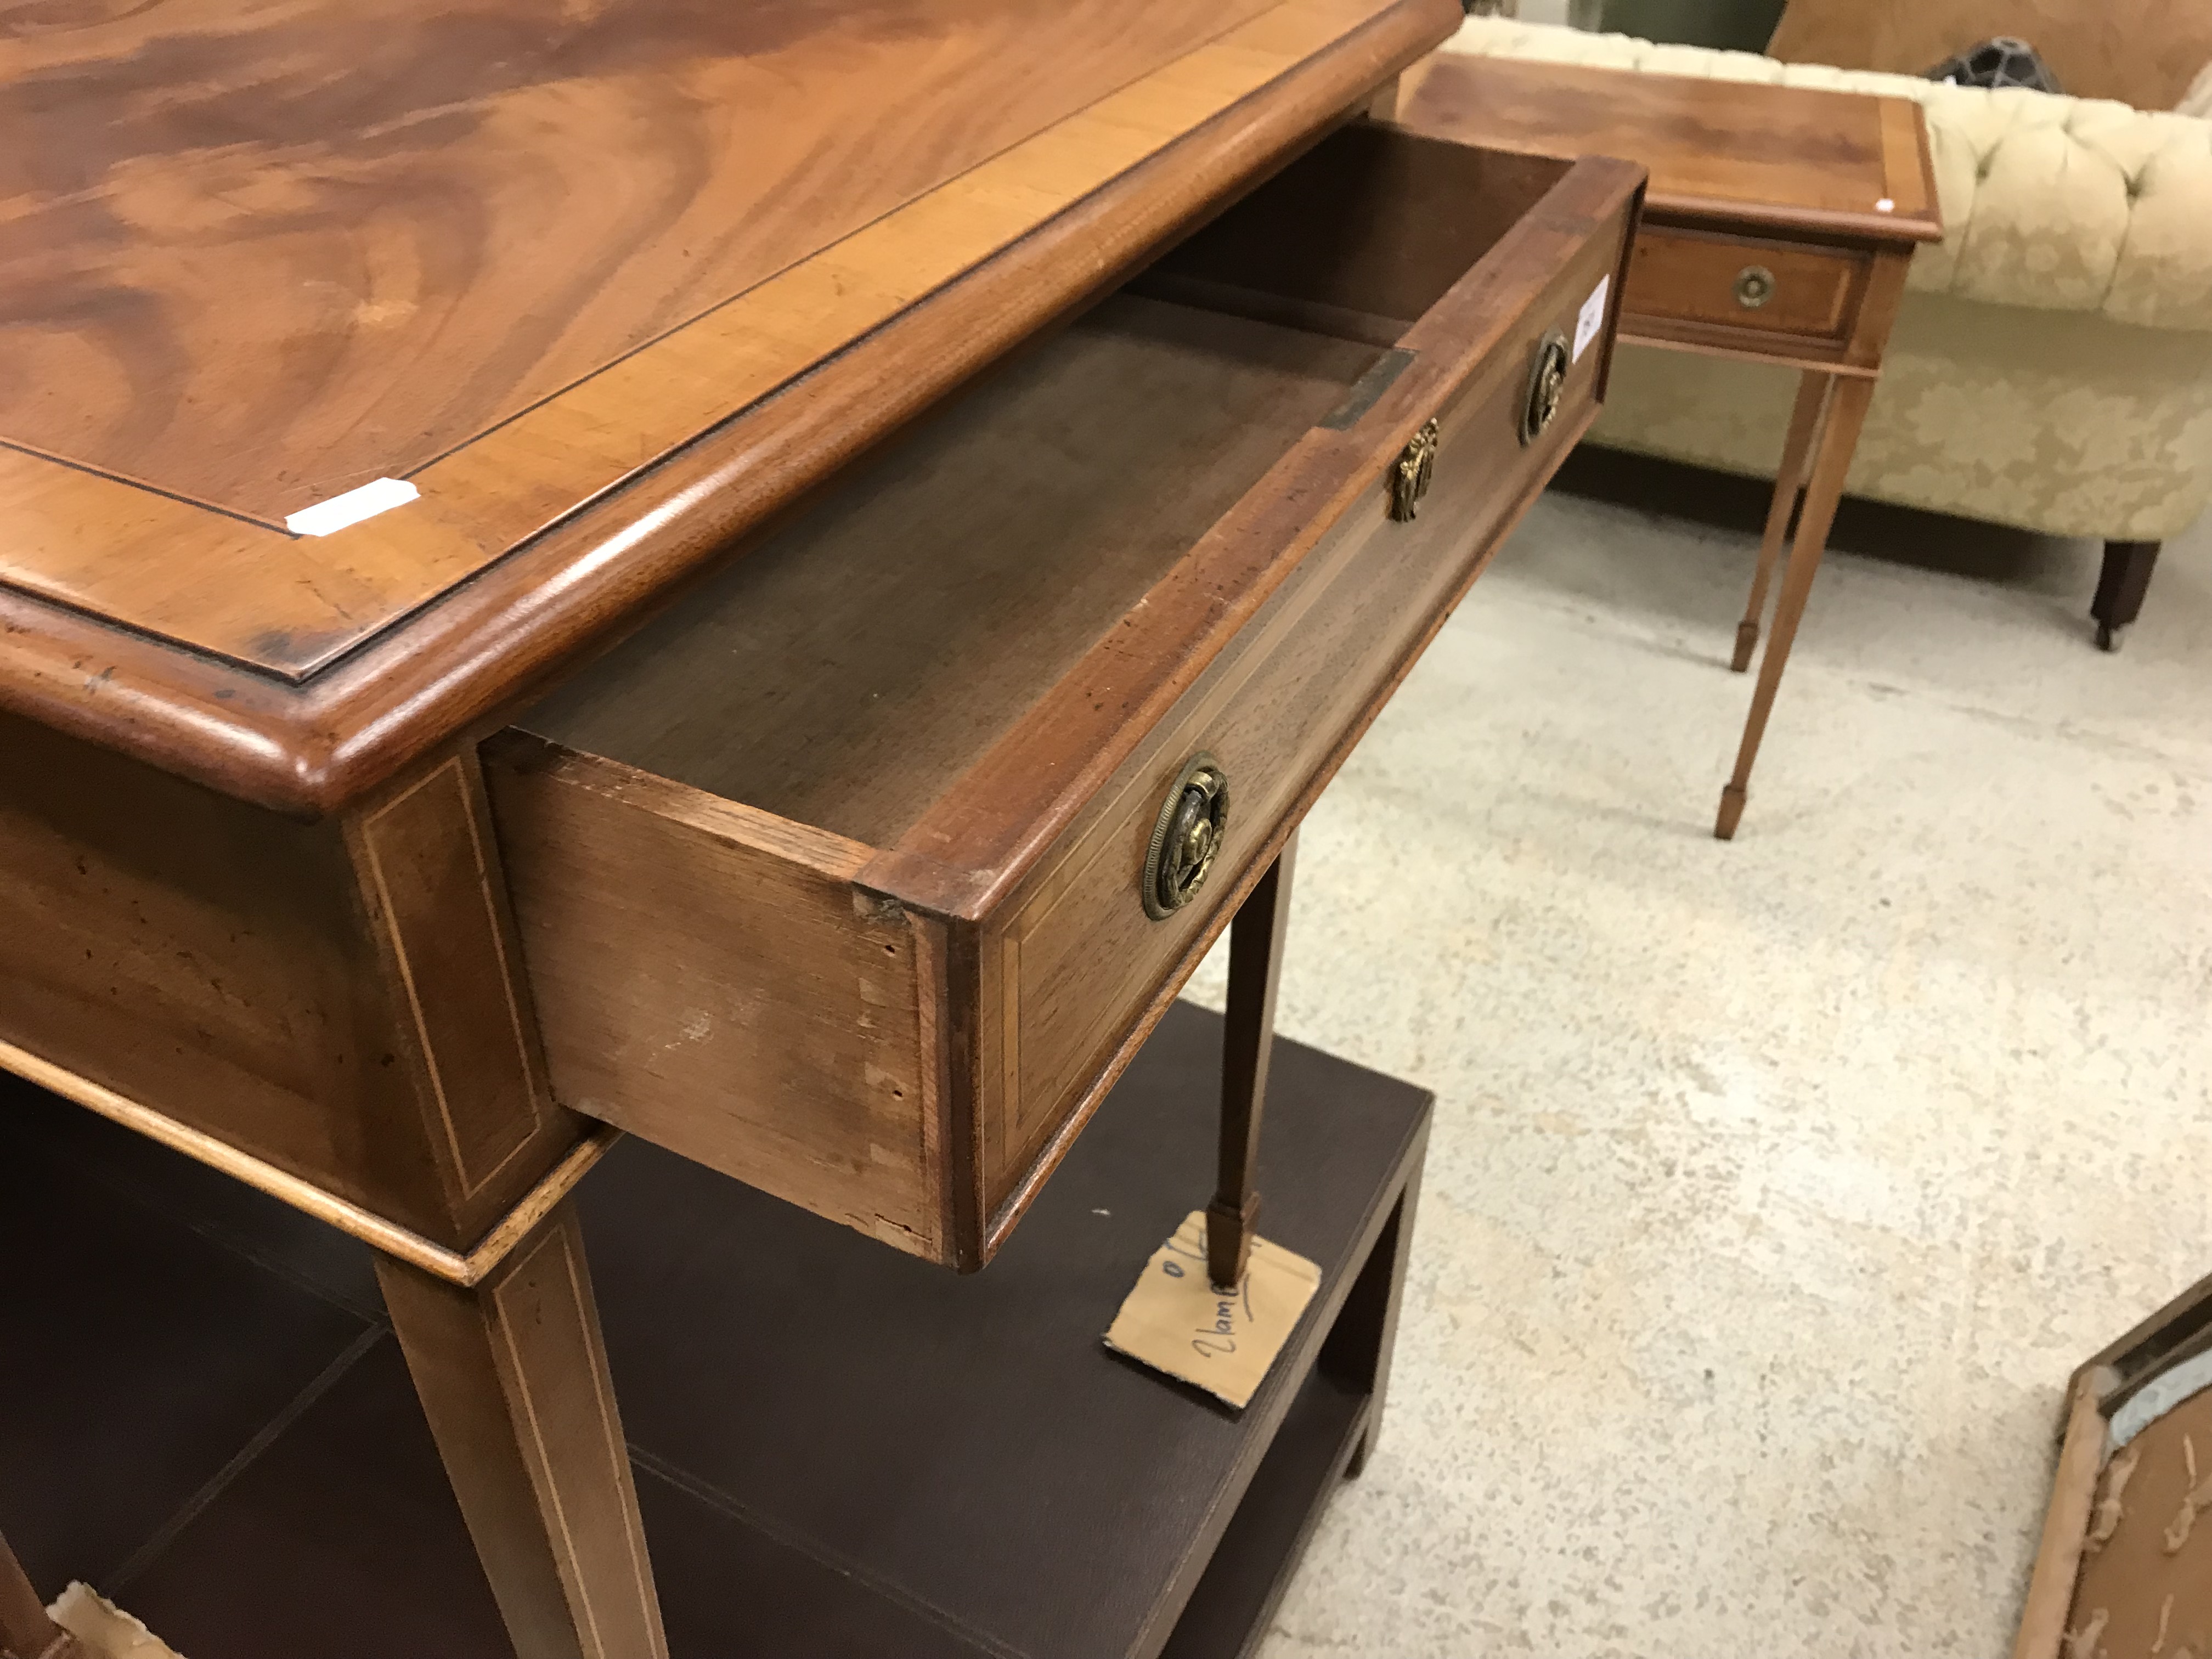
1177 1322
1592 319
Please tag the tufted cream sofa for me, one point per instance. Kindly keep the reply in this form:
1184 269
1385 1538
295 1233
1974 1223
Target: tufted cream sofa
2051 368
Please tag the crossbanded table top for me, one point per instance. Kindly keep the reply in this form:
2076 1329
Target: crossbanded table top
254 257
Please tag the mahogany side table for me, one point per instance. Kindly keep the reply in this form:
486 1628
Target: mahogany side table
1778 227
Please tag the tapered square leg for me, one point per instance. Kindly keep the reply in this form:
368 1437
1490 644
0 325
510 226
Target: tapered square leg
1789 484
1847 408
1256 969
513 1376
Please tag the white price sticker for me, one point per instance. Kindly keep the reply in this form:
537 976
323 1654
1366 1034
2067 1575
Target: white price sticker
328 518
1588 325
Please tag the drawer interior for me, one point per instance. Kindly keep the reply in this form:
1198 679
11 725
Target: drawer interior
845 672
1360 237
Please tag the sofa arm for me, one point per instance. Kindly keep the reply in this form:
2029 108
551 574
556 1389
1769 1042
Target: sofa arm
2070 205
2049 203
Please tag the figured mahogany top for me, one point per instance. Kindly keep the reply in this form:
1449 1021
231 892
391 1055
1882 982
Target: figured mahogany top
530 257
261 254
1737 155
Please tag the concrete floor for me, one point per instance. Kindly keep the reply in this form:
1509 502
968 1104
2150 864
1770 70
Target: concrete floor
1775 1187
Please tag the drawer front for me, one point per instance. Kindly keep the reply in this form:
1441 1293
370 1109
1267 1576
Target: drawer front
1082 969
1760 289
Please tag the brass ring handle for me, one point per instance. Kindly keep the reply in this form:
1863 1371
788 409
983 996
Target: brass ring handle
1547 385
1186 838
1755 287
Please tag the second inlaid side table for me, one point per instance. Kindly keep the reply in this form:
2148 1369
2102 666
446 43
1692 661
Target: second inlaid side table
1778 227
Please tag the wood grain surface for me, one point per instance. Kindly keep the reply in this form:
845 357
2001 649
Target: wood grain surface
684 388
1784 158
262 255
711 978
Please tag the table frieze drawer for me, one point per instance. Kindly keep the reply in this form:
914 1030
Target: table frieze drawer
835 877
1696 284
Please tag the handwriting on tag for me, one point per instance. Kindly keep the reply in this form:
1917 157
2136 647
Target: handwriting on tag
1224 1343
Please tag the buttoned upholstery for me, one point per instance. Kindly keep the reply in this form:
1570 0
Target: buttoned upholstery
2052 365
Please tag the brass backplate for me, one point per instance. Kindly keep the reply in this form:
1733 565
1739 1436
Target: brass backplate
1186 837
1547 385
1410 478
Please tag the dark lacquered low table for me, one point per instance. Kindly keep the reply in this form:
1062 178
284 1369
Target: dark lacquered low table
839 1450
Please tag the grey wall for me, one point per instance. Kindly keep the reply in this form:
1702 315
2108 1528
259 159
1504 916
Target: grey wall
1744 25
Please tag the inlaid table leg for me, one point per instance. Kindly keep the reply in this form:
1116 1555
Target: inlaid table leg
514 1377
1788 485
1847 410
1255 968
26 1633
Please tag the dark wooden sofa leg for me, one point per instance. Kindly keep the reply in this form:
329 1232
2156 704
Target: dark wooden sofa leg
2120 589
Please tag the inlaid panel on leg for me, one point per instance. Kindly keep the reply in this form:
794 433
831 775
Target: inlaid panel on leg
513 1376
341 1000
436 903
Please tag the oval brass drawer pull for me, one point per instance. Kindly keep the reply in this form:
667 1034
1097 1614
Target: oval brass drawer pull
1755 287
1547 384
1186 837
1409 480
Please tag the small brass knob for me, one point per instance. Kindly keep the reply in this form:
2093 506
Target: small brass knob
1186 837
1755 287
1547 385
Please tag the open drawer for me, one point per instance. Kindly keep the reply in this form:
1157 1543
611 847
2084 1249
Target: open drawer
843 876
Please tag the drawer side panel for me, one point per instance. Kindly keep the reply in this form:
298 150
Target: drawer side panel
709 978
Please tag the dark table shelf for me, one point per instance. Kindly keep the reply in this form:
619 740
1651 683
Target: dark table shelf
840 1450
